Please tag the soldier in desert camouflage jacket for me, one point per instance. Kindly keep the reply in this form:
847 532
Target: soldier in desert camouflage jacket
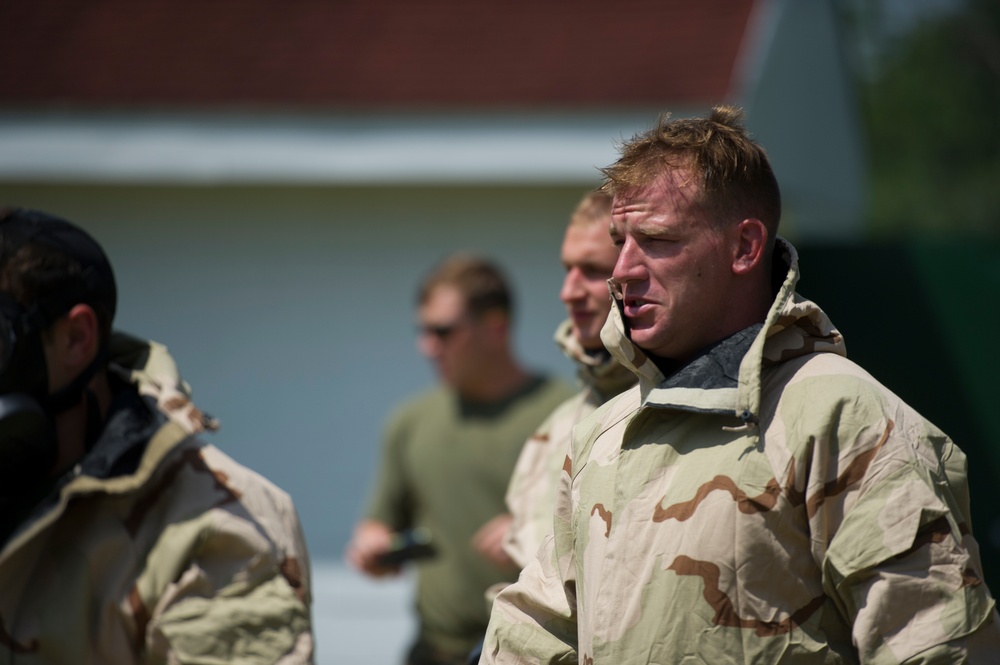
153 546
532 491
588 257
756 498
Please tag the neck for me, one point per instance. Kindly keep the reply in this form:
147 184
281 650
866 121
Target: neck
750 306
72 424
496 381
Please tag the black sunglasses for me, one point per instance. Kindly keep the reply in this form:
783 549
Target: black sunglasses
441 332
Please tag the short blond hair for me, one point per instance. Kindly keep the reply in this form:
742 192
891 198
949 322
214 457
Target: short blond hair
594 207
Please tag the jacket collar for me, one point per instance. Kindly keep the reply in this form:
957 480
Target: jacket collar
600 373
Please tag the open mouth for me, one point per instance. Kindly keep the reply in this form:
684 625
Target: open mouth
635 307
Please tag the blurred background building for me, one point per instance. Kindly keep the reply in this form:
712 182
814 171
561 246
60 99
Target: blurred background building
271 179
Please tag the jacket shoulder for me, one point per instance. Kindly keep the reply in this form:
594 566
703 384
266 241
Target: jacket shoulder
197 476
824 383
603 418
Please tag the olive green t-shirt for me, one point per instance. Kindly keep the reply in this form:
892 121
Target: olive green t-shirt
445 466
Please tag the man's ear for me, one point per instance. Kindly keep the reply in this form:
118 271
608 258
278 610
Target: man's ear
71 343
496 322
81 336
750 247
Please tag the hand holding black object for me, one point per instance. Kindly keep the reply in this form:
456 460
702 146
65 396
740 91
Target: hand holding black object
409 545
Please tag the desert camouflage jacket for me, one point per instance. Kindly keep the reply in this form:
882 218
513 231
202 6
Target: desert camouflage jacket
532 490
769 502
157 547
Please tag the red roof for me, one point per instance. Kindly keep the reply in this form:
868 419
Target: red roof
369 53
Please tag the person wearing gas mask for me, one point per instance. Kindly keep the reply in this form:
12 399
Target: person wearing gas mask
124 538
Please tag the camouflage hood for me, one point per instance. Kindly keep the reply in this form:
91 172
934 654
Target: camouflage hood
794 327
149 366
601 373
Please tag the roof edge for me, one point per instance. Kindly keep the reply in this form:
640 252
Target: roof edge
341 148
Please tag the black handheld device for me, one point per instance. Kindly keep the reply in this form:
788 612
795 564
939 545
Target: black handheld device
408 545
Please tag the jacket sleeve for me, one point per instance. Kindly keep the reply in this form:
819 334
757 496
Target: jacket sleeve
230 582
902 564
534 619
529 492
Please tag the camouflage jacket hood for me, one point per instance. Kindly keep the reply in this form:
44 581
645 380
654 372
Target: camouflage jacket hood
600 373
149 366
156 547
732 368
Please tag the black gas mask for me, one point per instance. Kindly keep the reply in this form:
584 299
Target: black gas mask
28 443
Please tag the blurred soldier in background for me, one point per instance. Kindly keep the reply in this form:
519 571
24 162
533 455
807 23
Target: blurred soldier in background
448 455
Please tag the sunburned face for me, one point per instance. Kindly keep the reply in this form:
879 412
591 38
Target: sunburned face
589 258
674 269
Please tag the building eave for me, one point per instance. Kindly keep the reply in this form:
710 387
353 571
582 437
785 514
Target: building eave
348 149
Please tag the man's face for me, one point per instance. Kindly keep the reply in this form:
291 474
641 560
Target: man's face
674 267
447 335
589 257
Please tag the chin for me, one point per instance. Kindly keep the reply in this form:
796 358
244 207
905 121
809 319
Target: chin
643 338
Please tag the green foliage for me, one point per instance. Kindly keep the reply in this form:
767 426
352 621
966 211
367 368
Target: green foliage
931 102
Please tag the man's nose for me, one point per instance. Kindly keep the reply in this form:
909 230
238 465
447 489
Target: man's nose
572 288
629 266
429 345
